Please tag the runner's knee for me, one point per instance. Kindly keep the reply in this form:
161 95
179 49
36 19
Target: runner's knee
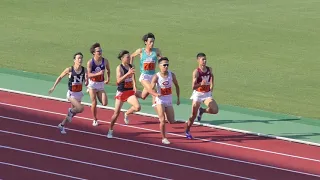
137 107
81 108
193 117
213 109
162 122
144 96
161 119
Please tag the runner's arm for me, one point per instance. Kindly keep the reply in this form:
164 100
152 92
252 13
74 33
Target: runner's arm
86 80
62 75
159 55
195 85
212 80
152 86
89 67
134 54
134 81
175 82
120 74
107 65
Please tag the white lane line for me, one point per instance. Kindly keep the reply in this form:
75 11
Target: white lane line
173 134
124 154
166 147
39 170
82 162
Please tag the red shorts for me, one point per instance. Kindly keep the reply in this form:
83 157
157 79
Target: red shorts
123 96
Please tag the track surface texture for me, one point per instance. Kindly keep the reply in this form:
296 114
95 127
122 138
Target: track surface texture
33 148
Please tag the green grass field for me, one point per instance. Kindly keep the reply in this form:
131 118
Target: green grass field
265 54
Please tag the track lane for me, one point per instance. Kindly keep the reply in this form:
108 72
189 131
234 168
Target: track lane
153 137
220 136
49 162
103 157
16 172
138 149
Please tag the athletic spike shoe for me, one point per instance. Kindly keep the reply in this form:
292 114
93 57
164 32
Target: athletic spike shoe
110 132
188 135
95 123
61 128
165 141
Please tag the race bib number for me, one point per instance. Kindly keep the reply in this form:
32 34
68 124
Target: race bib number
97 78
76 88
149 66
128 84
204 88
165 91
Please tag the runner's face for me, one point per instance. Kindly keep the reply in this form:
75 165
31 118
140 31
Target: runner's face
150 42
202 61
164 66
97 51
78 60
126 58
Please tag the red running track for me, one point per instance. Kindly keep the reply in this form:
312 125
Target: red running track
30 139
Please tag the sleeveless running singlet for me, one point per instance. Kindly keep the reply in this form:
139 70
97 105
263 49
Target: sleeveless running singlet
148 62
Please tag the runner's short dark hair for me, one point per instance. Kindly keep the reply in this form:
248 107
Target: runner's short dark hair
77 53
201 55
163 59
148 35
122 53
95 45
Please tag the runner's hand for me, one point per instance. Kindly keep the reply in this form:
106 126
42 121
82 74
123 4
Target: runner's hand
203 82
51 90
131 71
178 101
100 73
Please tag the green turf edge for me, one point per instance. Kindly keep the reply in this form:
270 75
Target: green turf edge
242 110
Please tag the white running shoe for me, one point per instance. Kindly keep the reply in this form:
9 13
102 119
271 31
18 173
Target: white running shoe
165 141
95 123
62 130
126 120
110 132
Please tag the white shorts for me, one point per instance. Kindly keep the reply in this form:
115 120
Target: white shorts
145 77
99 86
200 96
75 95
165 100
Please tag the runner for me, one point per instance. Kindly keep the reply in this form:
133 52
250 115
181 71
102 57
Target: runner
77 75
163 80
148 59
202 85
96 71
126 91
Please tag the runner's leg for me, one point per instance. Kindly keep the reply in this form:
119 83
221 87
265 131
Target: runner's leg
117 109
194 111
